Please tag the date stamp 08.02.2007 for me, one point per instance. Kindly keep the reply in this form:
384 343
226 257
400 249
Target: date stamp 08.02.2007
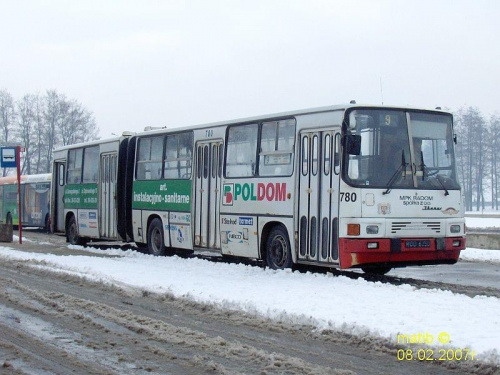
431 353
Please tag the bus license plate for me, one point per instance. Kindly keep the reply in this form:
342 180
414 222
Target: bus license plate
418 243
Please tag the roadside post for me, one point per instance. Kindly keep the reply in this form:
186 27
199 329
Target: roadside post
10 157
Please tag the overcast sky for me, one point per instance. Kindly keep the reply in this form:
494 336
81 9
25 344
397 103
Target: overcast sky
176 63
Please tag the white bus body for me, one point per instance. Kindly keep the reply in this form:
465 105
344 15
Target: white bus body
316 187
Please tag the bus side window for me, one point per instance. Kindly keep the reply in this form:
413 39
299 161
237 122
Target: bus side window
75 166
205 162
61 175
327 153
178 156
90 164
171 169
214 159
220 161
149 159
314 155
277 143
241 150
113 169
199 163
305 155
336 154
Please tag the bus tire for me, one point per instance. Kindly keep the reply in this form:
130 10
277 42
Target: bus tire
46 227
72 232
376 270
142 247
8 219
278 252
156 242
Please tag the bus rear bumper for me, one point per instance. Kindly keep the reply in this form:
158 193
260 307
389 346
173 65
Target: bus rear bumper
399 252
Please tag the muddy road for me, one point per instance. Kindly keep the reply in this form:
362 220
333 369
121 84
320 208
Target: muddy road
55 323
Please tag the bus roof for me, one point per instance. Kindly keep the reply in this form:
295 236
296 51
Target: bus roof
90 143
340 107
26 179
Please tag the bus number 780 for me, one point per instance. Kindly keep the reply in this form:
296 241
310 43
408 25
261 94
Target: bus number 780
348 197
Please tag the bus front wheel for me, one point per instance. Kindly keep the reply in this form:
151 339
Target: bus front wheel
278 252
156 242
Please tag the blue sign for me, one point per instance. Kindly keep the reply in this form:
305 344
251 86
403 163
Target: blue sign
245 220
8 157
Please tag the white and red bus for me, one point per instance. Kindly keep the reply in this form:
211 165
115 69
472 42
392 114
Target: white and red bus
346 186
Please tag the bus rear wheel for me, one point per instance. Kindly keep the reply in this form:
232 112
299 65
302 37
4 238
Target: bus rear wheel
46 227
72 233
278 252
156 242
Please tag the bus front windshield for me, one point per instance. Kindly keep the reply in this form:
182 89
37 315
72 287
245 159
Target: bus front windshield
400 149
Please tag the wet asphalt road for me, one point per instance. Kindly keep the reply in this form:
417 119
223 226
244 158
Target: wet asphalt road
477 273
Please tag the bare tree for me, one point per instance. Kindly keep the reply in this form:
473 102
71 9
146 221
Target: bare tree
470 127
7 117
39 129
52 114
41 123
7 114
25 129
76 123
494 157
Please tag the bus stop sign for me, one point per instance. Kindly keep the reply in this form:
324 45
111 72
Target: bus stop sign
8 157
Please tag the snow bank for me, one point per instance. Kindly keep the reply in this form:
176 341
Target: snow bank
327 302
480 255
482 222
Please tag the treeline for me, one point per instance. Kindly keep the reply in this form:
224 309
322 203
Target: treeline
478 157
40 123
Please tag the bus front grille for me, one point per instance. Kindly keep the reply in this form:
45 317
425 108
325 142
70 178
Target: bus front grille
421 228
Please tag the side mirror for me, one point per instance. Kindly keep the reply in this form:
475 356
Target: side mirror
353 144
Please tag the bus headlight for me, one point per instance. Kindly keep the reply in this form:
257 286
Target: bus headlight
455 229
372 229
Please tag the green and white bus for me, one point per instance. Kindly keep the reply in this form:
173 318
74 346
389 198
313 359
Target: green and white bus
35 200
341 186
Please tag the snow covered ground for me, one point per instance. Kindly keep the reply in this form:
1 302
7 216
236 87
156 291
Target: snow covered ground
483 222
325 301
480 255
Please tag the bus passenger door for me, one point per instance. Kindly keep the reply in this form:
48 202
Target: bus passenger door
59 182
318 196
107 201
207 194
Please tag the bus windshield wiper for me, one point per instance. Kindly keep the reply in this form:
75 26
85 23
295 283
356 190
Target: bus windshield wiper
395 176
424 171
441 183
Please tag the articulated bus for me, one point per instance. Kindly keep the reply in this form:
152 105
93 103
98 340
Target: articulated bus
372 187
35 200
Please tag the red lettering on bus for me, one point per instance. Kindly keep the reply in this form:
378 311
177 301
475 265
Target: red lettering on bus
280 192
261 191
270 192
